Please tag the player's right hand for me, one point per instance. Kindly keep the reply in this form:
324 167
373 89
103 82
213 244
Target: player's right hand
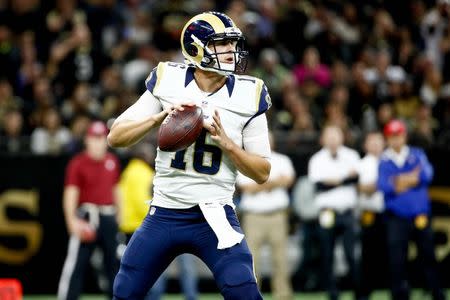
159 118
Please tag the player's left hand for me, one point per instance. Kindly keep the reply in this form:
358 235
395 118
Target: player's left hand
218 133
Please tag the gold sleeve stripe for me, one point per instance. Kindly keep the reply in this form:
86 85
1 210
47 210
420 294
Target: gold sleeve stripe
159 74
259 86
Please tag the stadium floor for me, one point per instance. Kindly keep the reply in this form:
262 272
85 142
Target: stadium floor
379 295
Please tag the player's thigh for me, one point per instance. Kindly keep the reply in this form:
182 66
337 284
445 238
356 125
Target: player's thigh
232 266
147 255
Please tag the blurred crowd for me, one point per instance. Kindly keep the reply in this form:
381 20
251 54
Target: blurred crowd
353 64
350 65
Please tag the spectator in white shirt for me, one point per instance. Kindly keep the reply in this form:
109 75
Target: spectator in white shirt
265 219
333 169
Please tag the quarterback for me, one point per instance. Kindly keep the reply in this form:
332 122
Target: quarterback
192 209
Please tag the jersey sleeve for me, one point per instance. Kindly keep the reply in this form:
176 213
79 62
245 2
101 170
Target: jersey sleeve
256 137
146 106
154 79
263 100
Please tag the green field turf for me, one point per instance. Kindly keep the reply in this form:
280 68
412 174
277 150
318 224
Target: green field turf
379 295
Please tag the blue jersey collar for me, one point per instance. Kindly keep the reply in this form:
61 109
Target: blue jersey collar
190 77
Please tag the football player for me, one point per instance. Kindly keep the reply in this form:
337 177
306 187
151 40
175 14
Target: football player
192 209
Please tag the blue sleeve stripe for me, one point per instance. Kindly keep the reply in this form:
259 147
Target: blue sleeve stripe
264 101
151 81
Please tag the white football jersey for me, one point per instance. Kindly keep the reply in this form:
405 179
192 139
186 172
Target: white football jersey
202 172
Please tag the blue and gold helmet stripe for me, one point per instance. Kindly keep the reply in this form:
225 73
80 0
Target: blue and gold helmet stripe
225 19
214 21
217 24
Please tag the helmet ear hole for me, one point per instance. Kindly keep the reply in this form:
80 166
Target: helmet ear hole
192 50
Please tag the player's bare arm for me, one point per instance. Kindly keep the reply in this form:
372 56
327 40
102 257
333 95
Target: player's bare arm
125 133
251 165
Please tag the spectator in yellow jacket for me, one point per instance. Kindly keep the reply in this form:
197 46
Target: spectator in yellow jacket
136 183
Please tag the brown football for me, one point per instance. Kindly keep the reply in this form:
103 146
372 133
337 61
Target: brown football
180 129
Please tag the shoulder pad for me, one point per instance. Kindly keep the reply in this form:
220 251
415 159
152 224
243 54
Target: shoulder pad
165 76
153 78
262 101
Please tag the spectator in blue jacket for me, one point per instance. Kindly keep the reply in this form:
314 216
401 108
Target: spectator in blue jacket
404 176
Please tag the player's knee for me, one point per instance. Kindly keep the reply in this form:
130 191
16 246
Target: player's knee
124 287
246 291
236 278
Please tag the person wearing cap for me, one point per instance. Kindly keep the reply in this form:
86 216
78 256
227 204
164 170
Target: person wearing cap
404 176
90 201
